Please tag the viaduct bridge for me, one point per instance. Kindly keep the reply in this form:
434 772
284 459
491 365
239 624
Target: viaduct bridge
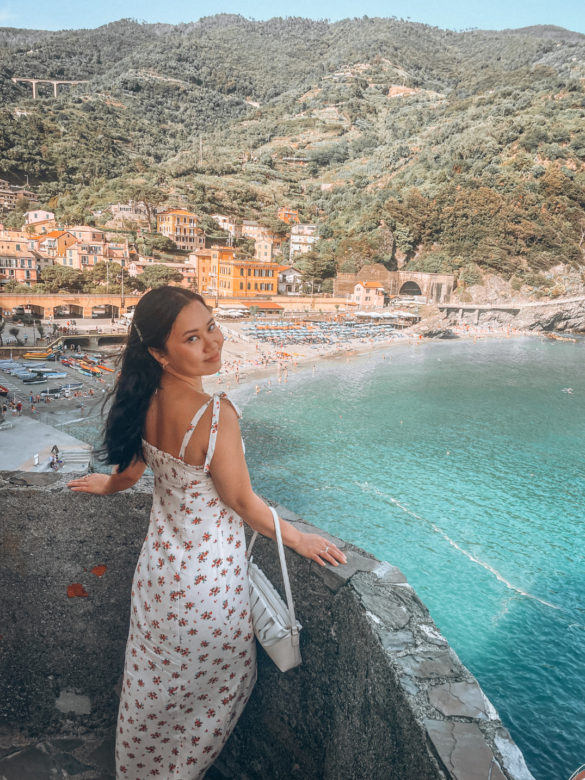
68 305
54 82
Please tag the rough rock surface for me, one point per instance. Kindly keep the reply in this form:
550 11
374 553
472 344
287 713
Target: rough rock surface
380 693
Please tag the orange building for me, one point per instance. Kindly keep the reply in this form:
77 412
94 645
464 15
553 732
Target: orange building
221 273
55 243
180 226
288 215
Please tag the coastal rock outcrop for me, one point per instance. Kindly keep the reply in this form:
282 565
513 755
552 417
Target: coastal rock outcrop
549 316
565 317
439 333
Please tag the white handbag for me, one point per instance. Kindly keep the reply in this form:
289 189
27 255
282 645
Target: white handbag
274 622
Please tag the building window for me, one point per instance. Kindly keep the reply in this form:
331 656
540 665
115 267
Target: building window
241 285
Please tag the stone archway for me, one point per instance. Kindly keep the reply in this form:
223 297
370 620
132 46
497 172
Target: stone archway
410 288
68 311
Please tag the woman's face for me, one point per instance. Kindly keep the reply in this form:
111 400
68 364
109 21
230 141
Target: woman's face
193 348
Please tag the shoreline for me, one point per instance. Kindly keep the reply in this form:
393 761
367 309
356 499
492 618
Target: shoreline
245 364
227 381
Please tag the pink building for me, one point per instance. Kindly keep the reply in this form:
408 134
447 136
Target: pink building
368 295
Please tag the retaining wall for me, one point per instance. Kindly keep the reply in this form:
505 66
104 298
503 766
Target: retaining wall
380 693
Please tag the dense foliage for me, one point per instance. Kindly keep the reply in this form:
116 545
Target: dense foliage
406 144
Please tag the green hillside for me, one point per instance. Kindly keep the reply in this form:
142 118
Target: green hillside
407 144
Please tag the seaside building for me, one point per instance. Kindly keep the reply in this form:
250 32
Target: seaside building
20 260
368 295
252 229
127 213
38 215
87 233
290 280
264 249
54 244
302 238
180 226
288 215
10 194
230 224
221 273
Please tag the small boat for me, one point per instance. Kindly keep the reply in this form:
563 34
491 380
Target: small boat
37 355
55 374
35 379
51 392
3 390
104 368
73 386
92 369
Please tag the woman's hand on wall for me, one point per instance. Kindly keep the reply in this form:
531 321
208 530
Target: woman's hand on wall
91 483
319 550
105 484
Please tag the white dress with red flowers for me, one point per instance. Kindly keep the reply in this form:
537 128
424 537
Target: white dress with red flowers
191 656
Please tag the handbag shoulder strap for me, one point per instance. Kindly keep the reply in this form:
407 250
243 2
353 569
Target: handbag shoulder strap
283 568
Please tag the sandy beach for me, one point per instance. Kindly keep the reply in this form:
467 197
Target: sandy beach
246 361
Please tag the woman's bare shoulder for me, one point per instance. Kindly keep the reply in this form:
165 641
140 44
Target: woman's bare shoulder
169 416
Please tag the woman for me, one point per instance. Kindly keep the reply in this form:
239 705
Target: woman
190 658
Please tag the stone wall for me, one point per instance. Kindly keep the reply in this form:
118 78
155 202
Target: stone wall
380 693
435 287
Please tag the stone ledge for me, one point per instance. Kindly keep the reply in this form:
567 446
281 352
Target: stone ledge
380 693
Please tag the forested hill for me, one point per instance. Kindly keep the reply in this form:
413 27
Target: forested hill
405 143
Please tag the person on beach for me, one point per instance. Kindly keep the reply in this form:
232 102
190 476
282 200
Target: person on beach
190 658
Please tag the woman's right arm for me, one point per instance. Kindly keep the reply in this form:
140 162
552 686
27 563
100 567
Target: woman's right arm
232 482
106 484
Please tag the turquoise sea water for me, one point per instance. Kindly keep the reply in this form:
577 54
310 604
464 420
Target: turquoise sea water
463 464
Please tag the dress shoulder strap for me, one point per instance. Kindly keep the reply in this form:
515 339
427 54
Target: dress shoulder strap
192 425
215 424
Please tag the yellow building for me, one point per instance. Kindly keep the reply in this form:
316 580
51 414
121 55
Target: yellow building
180 226
222 274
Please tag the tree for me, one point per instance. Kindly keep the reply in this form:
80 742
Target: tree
14 332
159 275
150 196
155 242
314 267
56 278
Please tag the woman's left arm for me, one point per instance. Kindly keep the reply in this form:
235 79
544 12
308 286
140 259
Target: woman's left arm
230 476
106 484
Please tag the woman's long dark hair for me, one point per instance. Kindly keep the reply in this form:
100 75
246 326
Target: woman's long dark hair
140 373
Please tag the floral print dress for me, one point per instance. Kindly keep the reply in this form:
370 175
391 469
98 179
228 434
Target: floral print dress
191 656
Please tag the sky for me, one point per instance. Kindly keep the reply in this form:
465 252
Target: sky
450 14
